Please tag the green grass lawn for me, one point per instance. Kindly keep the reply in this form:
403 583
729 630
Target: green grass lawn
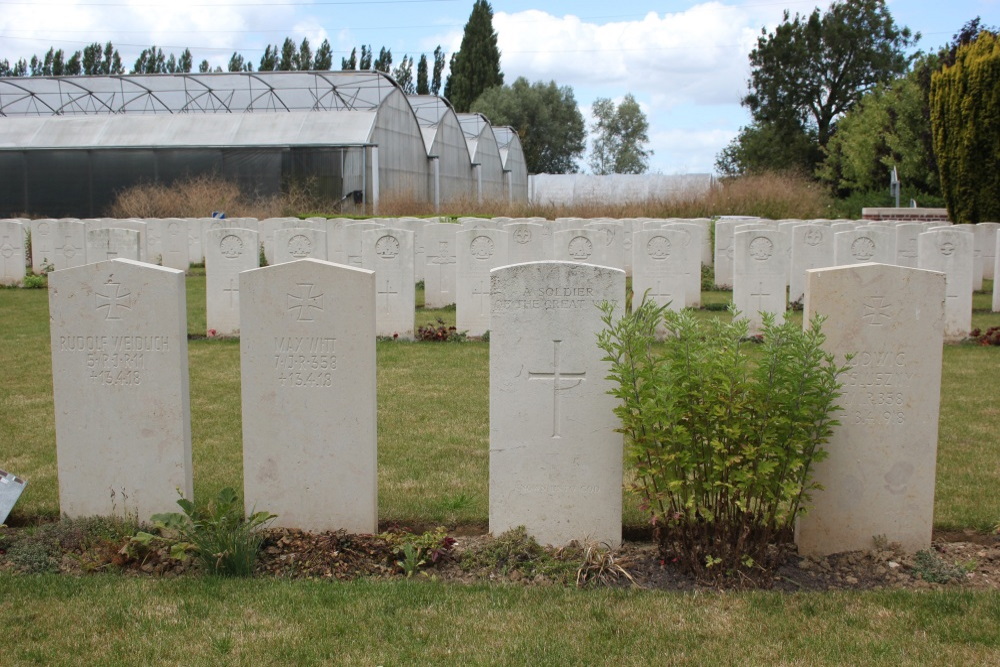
433 430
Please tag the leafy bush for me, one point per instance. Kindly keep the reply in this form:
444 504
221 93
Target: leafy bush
722 433
218 535
31 281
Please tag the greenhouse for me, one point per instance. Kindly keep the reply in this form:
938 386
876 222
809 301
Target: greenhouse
485 154
451 167
515 166
68 144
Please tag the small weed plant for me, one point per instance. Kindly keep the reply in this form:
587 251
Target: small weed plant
722 433
930 567
440 332
226 542
415 551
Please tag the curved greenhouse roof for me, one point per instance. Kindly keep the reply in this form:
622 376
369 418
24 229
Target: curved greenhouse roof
225 92
69 143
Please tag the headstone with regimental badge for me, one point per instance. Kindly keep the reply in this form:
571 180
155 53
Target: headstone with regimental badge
555 458
950 251
389 253
228 251
307 352
120 388
479 251
295 243
812 248
759 275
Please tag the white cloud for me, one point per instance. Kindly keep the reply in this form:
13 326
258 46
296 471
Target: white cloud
698 55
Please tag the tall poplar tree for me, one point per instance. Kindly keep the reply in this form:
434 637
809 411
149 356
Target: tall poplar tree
476 66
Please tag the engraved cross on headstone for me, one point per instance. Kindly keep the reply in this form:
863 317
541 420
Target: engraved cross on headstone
388 291
482 293
759 296
558 377
234 291
663 297
69 249
113 296
305 303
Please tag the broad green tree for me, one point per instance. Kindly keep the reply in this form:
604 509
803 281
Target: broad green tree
885 130
476 67
621 137
965 120
546 118
813 68
761 147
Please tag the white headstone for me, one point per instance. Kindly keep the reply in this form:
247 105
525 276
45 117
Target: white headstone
307 349
112 243
878 481
527 242
949 251
353 241
812 248
70 244
906 243
864 244
137 226
588 246
661 264
694 235
120 387
724 252
12 258
175 245
479 251
389 253
441 268
986 237
555 459
43 244
295 243
759 275
228 251
614 242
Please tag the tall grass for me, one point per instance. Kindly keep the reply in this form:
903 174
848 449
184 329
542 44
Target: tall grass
198 197
772 195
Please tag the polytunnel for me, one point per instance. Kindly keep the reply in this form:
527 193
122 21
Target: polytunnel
451 167
515 167
485 155
68 144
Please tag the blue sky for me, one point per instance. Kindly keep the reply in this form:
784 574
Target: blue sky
684 61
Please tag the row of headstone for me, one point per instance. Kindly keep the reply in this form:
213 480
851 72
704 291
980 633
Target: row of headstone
119 346
763 255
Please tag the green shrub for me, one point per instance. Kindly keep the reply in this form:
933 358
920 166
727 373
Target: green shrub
220 537
722 434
